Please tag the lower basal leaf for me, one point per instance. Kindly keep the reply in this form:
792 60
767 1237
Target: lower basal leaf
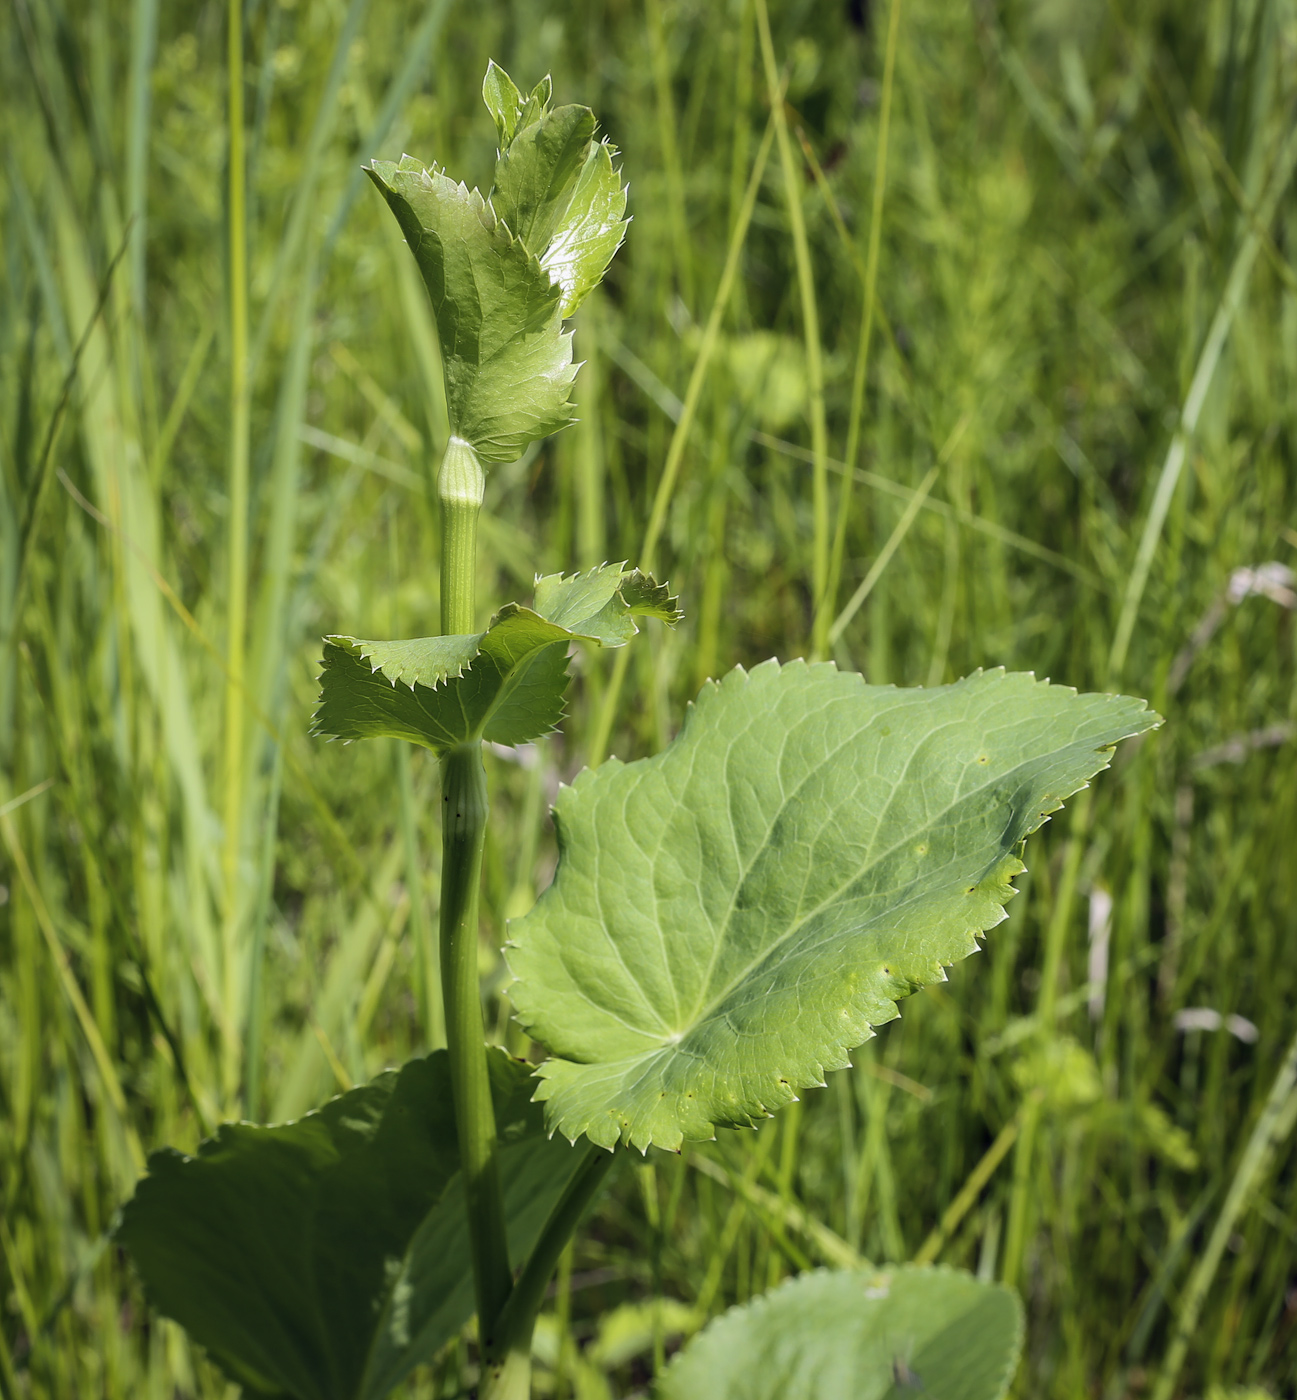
730 917
936 1334
323 1259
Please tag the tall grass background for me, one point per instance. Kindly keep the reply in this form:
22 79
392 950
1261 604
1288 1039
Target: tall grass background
1004 372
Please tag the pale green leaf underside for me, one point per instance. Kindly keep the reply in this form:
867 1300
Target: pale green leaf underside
328 1257
555 187
930 1334
730 917
505 684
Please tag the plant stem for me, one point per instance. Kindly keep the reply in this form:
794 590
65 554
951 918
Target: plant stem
811 330
1204 372
1021 1196
1274 1124
463 829
824 635
236 561
508 1375
680 435
459 489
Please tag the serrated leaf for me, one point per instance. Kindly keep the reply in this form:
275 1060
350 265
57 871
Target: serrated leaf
510 693
602 603
730 917
504 273
507 361
555 188
930 1333
505 684
325 1258
537 173
591 231
503 101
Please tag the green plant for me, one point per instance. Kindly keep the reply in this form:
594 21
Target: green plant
728 919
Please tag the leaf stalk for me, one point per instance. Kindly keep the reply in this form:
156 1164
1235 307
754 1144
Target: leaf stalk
236 563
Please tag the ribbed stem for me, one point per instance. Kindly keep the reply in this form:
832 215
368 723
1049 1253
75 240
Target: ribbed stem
463 814
236 570
459 489
464 809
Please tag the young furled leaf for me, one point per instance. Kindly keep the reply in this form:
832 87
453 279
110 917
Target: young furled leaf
583 244
730 917
503 101
505 684
929 1333
504 273
537 172
603 603
326 1258
554 187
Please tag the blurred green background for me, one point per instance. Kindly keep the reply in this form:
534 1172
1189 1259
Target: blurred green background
1075 452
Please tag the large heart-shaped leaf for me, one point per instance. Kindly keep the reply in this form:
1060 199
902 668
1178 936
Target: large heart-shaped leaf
730 917
325 1258
897 1334
505 684
504 273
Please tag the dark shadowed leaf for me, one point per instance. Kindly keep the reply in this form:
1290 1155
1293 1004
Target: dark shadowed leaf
323 1259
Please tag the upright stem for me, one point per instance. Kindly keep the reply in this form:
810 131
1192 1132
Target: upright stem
829 603
1274 1124
811 330
464 813
459 489
237 562
507 1373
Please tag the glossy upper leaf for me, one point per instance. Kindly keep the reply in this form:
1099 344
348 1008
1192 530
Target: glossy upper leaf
730 917
505 684
503 273
325 1258
934 1334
